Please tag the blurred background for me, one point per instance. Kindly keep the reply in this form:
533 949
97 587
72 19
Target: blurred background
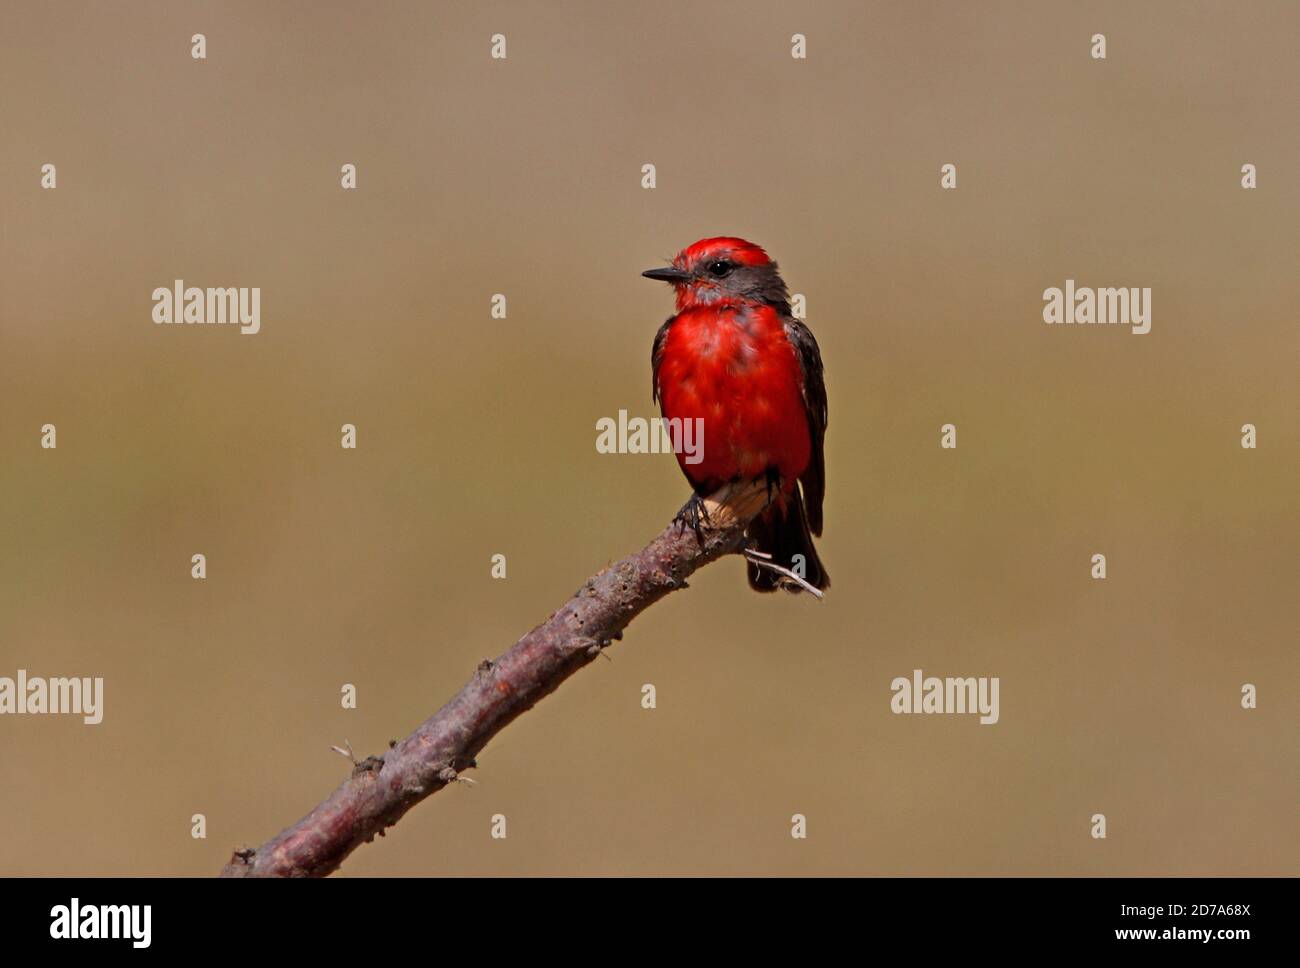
476 436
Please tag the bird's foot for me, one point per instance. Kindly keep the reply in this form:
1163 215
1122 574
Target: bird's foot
771 479
691 515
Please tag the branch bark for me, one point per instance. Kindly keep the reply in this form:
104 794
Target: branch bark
382 789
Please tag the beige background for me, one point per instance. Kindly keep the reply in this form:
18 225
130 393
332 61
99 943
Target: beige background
477 436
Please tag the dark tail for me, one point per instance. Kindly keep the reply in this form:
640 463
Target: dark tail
783 535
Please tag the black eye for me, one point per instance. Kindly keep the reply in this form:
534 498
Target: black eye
720 268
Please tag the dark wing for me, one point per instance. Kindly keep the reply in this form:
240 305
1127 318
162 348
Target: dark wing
656 357
814 402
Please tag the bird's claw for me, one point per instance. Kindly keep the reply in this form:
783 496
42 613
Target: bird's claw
773 478
691 515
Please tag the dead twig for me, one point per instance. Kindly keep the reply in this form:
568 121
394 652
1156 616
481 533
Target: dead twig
381 789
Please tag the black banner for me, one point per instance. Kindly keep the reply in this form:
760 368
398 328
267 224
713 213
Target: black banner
1172 917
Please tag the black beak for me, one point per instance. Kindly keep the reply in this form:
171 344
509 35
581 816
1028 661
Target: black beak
667 274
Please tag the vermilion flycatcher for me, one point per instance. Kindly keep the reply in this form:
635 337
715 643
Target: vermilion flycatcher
736 357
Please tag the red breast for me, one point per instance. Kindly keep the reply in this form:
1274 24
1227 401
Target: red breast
733 365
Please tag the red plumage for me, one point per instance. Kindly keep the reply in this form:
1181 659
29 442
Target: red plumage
734 366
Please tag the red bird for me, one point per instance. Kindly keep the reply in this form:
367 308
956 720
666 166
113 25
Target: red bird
736 357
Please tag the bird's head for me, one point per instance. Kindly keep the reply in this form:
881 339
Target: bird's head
720 271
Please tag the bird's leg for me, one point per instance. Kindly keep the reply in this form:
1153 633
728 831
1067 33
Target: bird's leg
692 513
773 478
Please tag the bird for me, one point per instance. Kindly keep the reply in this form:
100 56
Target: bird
734 356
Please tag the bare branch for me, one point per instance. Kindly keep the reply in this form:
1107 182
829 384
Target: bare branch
382 788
